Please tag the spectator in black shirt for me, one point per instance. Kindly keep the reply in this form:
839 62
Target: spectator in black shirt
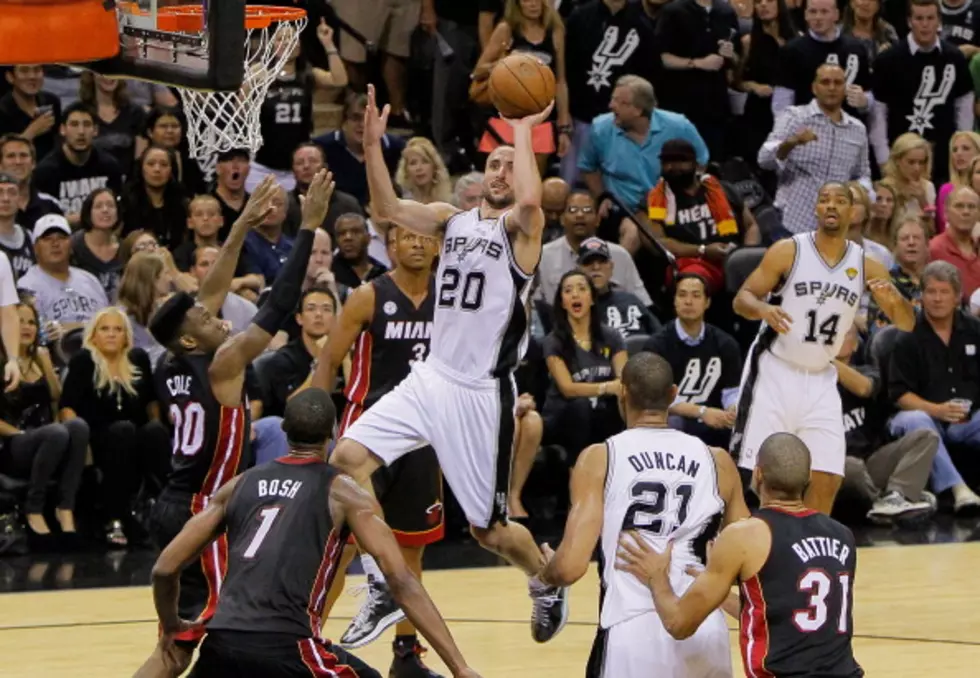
961 25
354 266
76 168
95 248
705 360
18 160
28 111
154 199
617 309
14 240
934 379
231 173
120 122
307 161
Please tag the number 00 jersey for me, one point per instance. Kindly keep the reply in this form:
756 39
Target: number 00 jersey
480 329
662 484
822 301
211 443
796 611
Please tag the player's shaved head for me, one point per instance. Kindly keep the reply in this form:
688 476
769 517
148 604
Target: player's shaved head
309 419
648 383
784 463
836 187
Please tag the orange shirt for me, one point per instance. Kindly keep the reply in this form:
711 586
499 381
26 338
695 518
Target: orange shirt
942 248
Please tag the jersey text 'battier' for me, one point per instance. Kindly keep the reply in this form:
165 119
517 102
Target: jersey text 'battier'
796 617
664 485
283 549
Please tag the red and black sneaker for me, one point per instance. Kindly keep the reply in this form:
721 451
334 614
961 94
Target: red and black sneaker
408 659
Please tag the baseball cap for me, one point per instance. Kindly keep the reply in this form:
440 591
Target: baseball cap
678 150
234 153
593 248
48 223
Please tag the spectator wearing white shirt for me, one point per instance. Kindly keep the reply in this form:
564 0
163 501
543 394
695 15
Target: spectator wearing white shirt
811 145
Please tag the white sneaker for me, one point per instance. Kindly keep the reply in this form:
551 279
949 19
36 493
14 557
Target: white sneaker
894 505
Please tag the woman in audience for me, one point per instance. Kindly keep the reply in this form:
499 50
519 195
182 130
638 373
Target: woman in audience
585 359
154 200
860 218
863 20
95 248
120 122
963 148
165 128
137 241
885 214
35 446
421 174
974 183
909 167
110 386
911 256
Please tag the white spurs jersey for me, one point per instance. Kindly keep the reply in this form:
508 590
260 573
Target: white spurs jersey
663 484
480 327
822 301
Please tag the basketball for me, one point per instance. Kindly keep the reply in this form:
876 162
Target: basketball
521 85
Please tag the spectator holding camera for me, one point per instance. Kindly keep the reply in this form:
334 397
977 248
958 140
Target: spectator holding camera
34 445
934 379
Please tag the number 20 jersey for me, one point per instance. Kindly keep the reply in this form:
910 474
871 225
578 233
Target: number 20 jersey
822 301
661 484
481 322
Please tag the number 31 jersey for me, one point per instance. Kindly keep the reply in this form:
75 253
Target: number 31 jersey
661 484
822 301
481 320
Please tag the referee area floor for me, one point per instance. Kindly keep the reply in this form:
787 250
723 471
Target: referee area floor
917 614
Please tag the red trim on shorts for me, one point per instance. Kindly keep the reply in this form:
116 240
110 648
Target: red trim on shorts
332 551
414 540
754 629
359 383
321 662
227 454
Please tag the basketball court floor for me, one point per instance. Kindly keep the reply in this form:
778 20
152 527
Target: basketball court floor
916 612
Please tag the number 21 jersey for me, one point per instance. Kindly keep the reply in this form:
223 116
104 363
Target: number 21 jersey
822 301
662 484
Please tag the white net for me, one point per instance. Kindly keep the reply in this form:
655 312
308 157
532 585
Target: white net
222 121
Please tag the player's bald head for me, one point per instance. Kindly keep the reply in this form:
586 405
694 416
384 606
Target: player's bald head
309 419
648 383
784 464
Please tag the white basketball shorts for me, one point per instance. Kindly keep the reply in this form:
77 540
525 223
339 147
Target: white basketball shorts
778 397
470 424
641 648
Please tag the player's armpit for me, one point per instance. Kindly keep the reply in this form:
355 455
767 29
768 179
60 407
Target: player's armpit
584 525
776 263
730 486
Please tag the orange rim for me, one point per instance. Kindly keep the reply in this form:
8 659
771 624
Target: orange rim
190 18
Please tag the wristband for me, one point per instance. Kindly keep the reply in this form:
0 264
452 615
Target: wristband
701 413
701 250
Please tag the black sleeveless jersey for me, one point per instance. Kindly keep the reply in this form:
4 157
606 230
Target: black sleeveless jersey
796 617
21 258
211 442
286 120
384 351
283 549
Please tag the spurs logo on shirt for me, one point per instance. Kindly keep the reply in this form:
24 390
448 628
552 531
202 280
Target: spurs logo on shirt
850 66
699 380
608 56
929 96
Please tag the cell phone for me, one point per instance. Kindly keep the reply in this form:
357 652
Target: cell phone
44 110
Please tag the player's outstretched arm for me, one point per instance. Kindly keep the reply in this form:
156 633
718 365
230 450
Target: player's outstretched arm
385 204
749 302
215 286
899 310
527 218
351 504
584 525
186 547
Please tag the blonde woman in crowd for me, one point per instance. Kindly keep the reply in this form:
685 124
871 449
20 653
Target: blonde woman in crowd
909 167
422 175
860 218
963 148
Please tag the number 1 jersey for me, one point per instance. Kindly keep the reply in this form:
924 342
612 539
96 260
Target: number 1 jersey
662 484
822 301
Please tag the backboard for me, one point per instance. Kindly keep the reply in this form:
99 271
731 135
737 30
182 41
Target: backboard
199 49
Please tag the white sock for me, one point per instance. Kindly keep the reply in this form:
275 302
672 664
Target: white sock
371 568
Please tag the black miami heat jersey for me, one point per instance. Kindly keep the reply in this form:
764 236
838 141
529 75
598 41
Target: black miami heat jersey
211 442
397 336
283 549
286 120
796 617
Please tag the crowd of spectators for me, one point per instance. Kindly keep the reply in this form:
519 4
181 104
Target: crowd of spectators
688 136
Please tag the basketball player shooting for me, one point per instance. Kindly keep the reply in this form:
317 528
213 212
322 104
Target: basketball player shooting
667 487
461 400
813 283
286 522
795 568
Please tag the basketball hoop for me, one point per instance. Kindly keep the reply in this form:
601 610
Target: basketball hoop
218 122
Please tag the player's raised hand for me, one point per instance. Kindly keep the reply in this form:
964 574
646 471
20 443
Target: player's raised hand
375 123
636 557
316 202
259 205
533 119
776 318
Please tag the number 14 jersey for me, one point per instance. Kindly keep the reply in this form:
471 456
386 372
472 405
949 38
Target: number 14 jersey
662 484
822 301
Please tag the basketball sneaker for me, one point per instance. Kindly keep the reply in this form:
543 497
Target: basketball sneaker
408 660
550 611
893 506
378 612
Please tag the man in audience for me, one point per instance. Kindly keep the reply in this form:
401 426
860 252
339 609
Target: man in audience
580 221
354 265
468 191
14 241
66 297
307 161
28 111
812 144
76 168
956 244
266 247
706 360
622 311
934 379
911 257
236 310
961 26
889 477
554 196
229 189
17 159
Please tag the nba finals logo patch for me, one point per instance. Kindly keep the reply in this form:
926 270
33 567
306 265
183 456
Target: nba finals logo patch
851 273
